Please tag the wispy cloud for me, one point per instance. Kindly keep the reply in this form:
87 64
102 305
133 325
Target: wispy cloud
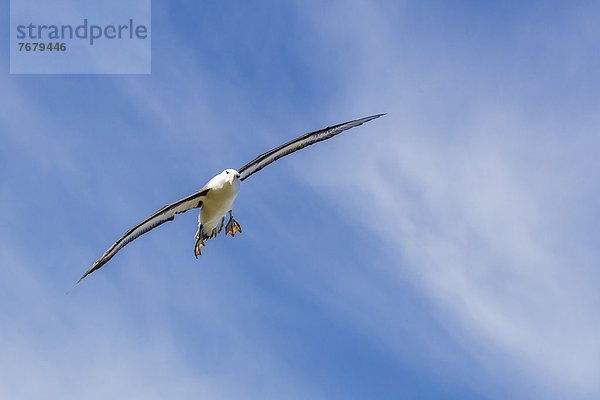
478 205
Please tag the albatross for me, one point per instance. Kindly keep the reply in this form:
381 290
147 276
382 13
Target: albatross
215 199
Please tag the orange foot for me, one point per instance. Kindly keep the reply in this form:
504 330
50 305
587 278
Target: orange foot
198 247
232 226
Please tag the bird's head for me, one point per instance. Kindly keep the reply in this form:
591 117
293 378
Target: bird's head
231 175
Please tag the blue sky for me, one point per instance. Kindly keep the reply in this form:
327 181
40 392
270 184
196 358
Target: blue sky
447 250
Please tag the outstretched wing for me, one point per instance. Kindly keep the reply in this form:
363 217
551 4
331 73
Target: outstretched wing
165 214
299 143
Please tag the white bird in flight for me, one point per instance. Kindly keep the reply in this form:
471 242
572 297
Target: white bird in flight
216 198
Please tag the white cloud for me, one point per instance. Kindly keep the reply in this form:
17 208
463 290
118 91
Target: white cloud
484 208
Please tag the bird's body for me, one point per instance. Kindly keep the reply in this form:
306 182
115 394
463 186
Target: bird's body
218 202
216 198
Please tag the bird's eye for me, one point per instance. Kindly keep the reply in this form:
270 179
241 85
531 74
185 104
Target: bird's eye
226 172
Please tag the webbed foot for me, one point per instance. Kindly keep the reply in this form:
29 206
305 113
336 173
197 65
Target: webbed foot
232 226
198 248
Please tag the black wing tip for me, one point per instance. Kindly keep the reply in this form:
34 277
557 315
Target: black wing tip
357 122
83 276
93 268
360 121
372 117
